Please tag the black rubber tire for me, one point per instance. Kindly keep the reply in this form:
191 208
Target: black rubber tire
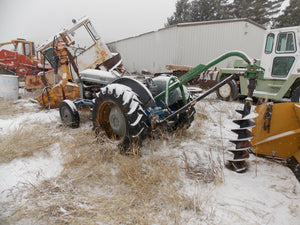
229 91
294 165
69 114
296 95
120 114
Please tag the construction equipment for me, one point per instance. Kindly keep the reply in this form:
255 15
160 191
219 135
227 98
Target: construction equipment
22 60
72 50
281 61
276 134
275 130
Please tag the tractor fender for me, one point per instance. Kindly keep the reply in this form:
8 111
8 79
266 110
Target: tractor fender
161 82
139 88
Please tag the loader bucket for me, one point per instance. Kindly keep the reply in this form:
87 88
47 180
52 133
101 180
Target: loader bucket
277 133
52 97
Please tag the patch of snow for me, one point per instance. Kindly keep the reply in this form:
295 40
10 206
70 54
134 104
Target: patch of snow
24 171
268 193
137 120
42 116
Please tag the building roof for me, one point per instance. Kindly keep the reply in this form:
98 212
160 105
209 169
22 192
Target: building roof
199 24
220 21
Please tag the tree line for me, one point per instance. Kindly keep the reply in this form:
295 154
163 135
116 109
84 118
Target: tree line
264 12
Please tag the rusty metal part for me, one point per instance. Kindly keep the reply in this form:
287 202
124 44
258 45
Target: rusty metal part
110 63
74 54
38 81
205 80
179 68
51 97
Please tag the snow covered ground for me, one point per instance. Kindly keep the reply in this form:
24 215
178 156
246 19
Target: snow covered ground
268 193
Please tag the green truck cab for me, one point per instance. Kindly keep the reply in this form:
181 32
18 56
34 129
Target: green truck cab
280 60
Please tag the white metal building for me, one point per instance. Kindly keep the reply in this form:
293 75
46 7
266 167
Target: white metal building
190 44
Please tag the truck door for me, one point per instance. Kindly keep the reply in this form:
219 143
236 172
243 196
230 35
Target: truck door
279 54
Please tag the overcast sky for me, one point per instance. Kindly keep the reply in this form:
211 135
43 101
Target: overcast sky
38 20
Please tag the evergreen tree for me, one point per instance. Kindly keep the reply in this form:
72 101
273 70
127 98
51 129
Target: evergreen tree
198 10
182 13
220 9
260 11
290 16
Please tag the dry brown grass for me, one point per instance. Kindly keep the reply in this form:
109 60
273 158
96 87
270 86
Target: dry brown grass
11 108
26 140
206 170
99 184
30 136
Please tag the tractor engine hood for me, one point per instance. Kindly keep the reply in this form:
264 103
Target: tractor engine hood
98 76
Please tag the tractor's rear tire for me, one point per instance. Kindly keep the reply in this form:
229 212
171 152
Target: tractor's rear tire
120 114
296 95
229 91
69 114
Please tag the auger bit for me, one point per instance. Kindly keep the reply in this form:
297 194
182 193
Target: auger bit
242 143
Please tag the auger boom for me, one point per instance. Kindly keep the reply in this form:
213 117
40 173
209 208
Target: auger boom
253 71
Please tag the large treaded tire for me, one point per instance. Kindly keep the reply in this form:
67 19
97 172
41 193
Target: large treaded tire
229 91
296 95
119 112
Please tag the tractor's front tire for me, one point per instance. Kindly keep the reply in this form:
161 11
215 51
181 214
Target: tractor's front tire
296 95
69 114
229 91
119 112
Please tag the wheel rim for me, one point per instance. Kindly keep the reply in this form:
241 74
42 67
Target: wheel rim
225 91
66 115
112 120
116 121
